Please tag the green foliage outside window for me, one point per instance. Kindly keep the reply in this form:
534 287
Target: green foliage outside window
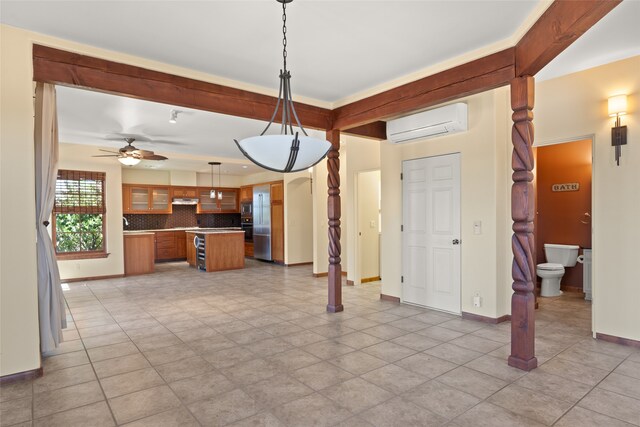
79 233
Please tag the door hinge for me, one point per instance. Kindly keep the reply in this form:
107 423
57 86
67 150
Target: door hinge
401 279
401 227
401 176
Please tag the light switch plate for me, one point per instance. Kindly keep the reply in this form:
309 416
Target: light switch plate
477 227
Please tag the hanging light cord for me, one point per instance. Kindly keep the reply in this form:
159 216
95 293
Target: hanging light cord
284 35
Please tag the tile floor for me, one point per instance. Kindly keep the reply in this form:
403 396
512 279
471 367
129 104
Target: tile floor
256 348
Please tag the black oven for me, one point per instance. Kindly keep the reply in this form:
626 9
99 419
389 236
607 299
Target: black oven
247 227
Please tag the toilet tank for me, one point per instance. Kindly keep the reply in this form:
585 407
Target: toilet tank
567 255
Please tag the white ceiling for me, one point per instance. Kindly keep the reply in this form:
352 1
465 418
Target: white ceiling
337 49
104 120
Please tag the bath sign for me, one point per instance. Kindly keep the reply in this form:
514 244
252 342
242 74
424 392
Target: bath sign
569 186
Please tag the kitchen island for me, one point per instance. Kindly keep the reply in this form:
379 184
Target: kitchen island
215 250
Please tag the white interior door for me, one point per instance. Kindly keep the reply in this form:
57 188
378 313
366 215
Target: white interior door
368 225
431 232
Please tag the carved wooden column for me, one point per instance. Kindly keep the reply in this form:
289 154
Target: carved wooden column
335 268
522 212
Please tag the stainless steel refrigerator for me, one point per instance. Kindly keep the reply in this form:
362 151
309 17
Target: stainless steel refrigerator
262 222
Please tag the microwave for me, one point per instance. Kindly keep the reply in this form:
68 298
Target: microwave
246 209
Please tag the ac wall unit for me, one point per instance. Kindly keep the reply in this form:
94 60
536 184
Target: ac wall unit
428 124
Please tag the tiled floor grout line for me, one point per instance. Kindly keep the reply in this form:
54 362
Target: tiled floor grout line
90 362
297 294
593 388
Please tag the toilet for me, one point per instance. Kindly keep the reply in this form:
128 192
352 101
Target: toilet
551 272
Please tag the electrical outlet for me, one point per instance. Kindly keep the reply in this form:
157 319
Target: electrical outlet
477 301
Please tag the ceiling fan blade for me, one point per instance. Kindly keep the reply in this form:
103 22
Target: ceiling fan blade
108 151
143 153
154 157
107 155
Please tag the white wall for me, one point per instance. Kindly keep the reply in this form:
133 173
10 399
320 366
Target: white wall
78 157
575 106
19 332
478 147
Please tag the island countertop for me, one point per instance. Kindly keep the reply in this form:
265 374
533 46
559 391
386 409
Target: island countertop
188 229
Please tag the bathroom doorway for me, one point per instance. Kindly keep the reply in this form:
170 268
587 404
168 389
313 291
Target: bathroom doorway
563 180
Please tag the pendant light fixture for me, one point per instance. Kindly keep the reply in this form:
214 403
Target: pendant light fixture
288 151
213 193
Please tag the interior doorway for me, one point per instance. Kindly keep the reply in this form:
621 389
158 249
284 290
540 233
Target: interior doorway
431 232
563 202
368 226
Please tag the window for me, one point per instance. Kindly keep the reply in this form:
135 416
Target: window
79 215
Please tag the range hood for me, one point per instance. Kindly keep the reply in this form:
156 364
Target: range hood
184 201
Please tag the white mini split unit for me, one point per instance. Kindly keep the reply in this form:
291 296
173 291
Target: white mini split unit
428 124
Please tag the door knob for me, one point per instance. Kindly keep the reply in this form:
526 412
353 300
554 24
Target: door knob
456 241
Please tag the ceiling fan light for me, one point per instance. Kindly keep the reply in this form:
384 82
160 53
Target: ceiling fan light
128 160
273 152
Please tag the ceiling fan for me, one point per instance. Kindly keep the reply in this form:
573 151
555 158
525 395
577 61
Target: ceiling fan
130 155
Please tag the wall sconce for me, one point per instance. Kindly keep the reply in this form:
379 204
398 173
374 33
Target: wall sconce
617 108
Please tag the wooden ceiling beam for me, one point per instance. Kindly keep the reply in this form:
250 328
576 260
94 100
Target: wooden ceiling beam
559 26
71 69
373 130
477 76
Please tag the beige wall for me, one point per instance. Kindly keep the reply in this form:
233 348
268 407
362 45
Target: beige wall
78 157
479 148
574 106
141 176
19 336
298 218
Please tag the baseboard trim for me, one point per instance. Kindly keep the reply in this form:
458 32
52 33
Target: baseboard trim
316 275
21 376
571 289
390 298
618 340
299 263
485 319
350 283
370 279
87 279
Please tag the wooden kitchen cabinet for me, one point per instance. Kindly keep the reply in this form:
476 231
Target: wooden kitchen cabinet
277 222
170 245
246 193
145 199
228 204
191 249
184 192
138 253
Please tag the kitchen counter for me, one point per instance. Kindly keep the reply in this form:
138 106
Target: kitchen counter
215 249
196 229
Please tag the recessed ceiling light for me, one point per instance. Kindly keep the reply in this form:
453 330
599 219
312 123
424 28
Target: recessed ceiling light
244 166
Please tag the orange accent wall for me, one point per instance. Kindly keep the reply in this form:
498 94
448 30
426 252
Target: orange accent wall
559 215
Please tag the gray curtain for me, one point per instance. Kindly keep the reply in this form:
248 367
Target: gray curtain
53 317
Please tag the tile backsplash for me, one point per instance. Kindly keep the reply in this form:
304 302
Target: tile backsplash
182 216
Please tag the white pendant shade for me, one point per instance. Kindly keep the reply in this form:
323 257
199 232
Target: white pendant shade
273 151
129 161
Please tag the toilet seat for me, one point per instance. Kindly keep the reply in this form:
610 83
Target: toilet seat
551 266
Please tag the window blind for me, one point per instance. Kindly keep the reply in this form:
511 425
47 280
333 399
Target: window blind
79 192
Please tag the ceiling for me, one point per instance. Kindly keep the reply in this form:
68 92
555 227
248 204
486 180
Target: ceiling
104 120
337 49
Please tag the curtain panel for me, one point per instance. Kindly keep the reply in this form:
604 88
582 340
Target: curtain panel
51 303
